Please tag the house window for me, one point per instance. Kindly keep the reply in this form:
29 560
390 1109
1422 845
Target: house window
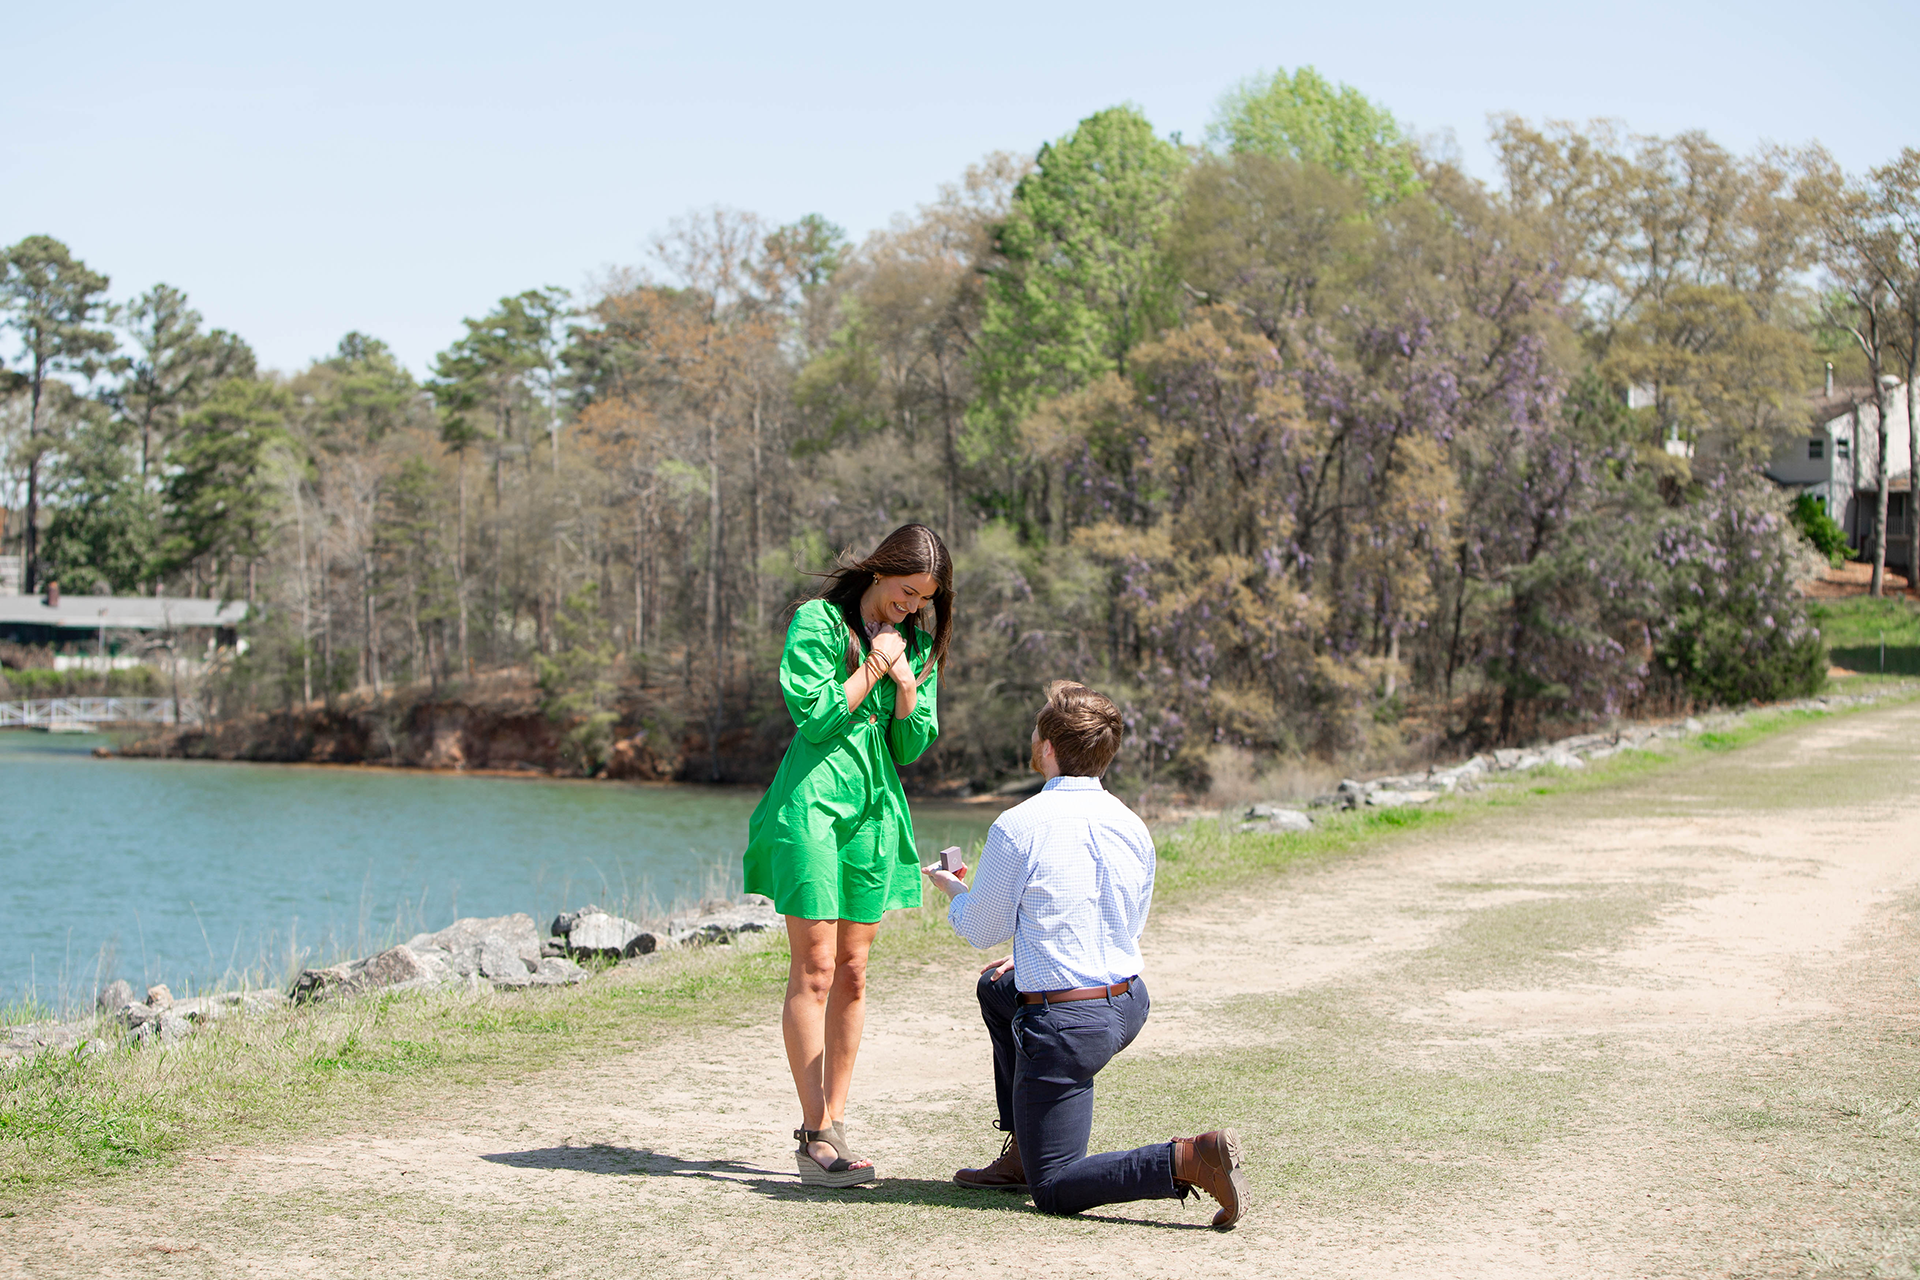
1840 444
1816 449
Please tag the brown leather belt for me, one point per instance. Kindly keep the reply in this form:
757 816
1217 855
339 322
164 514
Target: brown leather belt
1078 993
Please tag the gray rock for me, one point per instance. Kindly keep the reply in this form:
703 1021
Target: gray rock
1691 725
167 1028
1278 818
599 933
312 984
502 965
159 997
35 1038
555 971
397 966
1564 759
1395 799
137 1015
196 1010
723 926
114 996
1507 757
563 923
464 940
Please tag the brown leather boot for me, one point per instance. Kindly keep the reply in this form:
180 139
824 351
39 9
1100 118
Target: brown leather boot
1211 1163
1005 1174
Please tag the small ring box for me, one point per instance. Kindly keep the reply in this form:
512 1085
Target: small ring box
951 858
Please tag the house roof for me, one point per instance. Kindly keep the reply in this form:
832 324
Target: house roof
136 613
1825 408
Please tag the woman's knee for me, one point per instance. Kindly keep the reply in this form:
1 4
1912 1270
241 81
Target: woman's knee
850 976
813 975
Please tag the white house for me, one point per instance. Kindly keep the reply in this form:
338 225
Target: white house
1836 462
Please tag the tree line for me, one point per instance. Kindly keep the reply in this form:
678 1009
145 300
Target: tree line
1300 440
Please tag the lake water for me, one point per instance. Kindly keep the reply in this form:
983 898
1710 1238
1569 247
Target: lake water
195 873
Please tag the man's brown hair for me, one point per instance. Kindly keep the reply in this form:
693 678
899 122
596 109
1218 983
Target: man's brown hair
1084 727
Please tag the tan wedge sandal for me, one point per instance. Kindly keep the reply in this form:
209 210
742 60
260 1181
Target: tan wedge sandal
841 1173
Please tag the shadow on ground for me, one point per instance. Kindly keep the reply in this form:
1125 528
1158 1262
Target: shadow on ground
643 1163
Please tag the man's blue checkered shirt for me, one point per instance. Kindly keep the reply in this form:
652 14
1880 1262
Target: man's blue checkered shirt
1068 875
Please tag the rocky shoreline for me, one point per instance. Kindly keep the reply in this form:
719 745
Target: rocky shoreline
1491 768
476 954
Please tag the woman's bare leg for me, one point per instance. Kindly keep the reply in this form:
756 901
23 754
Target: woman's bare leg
846 1012
812 947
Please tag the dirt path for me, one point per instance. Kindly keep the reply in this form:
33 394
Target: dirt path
1672 1028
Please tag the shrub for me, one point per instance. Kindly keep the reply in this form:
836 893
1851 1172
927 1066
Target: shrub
1809 516
1736 629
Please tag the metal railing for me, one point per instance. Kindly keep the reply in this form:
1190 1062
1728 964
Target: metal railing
62 713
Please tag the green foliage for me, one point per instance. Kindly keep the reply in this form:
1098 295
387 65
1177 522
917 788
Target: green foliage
52 301
45 682
221 491
1737 629
1720 659
174 368
1080 280
1809 516
490 383
807 252
1044 610
362 395
103 532
1272 235
577 679
1304 117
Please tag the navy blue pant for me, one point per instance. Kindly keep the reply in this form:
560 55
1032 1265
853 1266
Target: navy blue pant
1044 1060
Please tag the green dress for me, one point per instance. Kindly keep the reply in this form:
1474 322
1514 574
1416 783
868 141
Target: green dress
832 839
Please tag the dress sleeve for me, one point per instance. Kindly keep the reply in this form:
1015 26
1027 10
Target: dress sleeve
813 675
913 734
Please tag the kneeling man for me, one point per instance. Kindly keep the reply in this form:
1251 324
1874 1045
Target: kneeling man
1068 875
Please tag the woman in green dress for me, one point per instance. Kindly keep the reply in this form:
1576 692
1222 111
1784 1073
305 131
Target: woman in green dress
831 842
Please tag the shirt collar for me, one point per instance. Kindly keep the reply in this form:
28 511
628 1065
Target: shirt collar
1068 782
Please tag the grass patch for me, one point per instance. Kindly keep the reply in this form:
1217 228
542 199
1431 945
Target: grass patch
68 1117
1328 1113
1209 855
1871 636
1539 939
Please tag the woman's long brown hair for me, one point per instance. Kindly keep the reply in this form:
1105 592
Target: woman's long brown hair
910 549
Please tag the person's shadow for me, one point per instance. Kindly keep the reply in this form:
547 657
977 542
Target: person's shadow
640 1162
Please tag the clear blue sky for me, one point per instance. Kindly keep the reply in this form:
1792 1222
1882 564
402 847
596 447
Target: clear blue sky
305 170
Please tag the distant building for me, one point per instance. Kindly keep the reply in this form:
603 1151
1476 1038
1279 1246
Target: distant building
1836 462
119 630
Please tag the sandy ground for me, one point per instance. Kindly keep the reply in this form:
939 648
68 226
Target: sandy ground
1665 1029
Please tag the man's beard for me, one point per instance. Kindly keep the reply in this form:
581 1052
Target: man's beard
1034 758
